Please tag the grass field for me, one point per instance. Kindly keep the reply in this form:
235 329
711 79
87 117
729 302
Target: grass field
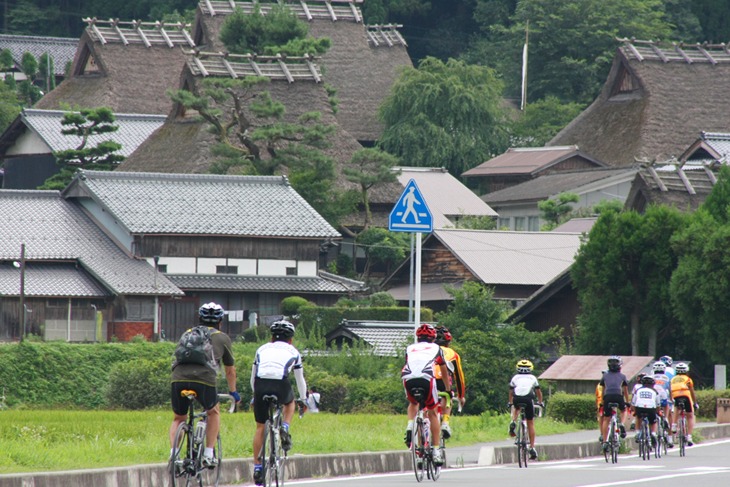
35 441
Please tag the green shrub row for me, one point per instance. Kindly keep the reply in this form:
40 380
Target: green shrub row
579 408
325 319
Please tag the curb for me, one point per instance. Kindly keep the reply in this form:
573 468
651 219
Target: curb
306 466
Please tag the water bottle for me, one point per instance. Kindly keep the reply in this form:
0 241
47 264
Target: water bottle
426 432
199 434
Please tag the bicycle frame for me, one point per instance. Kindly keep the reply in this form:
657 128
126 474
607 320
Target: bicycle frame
522 437
421 448
612 433
273 458
682 430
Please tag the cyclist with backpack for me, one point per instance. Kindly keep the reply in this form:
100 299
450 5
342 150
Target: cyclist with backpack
272 365
196 363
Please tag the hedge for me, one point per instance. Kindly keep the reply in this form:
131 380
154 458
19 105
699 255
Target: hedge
327 319
579 408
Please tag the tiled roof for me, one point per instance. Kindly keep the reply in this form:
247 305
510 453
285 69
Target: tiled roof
198 282
590 367
47 280
577 225
525 160
54 229
386 338
520 258
133 129
445 195
711 148
260 206
548 185
61 49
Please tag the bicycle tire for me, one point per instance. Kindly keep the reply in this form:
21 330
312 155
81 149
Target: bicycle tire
279 456
210 477
682 437
522 445
263 455
442 445
434 471
417 450
615 442
181 466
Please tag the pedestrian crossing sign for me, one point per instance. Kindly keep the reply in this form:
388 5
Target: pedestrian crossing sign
411 213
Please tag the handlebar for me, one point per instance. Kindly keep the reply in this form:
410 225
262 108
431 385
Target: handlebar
301 407
226 397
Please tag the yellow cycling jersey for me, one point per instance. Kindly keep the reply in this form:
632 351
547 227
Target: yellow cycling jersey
599 394
680 385
453 363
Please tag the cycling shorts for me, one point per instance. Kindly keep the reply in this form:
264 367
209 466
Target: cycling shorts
280 388
526 403
613 398
649 413
207 396
684 402
428 385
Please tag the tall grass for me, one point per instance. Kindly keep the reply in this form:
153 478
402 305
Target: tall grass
35 441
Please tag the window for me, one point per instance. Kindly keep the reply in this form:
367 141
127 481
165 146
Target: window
520 223
162 268
291 271
226 269
533 223
503 223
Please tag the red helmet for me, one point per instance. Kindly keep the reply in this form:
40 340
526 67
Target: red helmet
426 331
443 335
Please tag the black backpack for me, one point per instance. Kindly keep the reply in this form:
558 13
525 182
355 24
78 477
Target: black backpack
196 347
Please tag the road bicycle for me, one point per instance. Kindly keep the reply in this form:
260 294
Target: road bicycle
185 466
442 441
273 455
662 436
613 440
421 448
644 439
522 438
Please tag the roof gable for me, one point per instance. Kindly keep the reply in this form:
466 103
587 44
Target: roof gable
527 161
591 367
54 229
259 206
385 338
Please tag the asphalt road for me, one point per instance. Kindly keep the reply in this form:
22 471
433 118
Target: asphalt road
706 464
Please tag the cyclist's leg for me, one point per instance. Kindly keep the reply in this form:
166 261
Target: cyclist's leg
208 397
179 409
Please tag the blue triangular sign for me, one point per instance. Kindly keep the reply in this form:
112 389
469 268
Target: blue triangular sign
411 213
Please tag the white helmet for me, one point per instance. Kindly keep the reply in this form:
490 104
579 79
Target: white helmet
659 367
681 368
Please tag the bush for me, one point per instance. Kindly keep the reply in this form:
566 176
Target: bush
707 399
579 408
290 306
327 319
139 384
382 300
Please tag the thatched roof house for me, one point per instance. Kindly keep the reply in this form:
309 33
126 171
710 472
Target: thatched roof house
656 98
672 185
127 66
362 63
183 144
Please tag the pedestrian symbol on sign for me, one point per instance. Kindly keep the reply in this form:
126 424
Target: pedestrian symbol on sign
411 213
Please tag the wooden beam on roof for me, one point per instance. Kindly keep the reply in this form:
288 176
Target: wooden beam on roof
657 179
137 25
706 53
680 51
630 46
284 68
210 8
185 34
331 10
254 65
305 8
659 53
115 25
710 175
232 3
92 26
685 181
228 67
372 37
200 66
161 27
313 69
355 13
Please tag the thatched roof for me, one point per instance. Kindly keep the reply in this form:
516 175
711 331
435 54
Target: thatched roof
125 66
654 102
670 184
362 64
183 144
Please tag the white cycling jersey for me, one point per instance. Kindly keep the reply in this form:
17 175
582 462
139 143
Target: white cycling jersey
524 384
645 397
420 360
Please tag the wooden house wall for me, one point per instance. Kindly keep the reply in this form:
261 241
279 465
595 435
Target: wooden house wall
230 247
440 265
49 322
560 310
569 164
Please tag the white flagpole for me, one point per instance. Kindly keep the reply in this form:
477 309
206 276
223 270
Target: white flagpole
523 101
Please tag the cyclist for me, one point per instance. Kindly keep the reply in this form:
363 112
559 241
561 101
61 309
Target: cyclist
633 420
668 370
272 365
615 390
646 403
202 380
683 394
418 372
456 374
663 388
599 407
522 390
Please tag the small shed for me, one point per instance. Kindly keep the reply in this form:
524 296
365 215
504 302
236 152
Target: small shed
386 338
579 374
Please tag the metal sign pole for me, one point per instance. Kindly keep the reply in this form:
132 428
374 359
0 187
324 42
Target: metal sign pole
417 299
410 285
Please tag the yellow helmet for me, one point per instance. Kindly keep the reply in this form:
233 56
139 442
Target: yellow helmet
524 367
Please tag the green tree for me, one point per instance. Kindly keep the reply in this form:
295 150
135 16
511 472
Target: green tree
571 44
103 156
254 138
382 248
444 115
699 285
554 210
46 72
277 32
368 168
27 90
622 275
541 121
9 106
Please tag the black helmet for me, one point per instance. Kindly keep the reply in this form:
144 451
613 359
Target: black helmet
614 363
648 380
282 329
443 336
211 313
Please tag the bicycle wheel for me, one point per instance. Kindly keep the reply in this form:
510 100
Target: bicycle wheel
442 445
682 430
279 456
615 441
522 445
210 477
417 450
181 465
264 456
434 471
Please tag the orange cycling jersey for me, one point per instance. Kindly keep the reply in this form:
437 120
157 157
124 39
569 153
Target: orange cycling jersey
453 362
681 385
599 395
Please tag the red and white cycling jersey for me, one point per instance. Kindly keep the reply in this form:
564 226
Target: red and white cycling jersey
420 359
